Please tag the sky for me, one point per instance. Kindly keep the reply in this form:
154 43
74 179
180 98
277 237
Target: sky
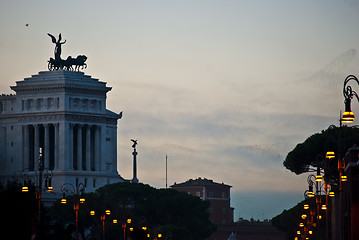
225 89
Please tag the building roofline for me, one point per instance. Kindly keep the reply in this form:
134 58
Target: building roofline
199 182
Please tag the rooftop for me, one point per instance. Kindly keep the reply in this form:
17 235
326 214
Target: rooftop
199 182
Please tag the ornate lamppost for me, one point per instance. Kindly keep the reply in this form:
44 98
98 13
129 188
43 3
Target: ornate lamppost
103 218
78 192
39 178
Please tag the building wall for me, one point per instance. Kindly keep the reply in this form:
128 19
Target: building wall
218 195
64 113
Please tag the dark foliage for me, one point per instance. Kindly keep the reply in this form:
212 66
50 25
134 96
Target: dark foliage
305 155
18 211
166 211
288 221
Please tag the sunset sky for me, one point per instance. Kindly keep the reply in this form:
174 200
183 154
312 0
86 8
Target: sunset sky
225 88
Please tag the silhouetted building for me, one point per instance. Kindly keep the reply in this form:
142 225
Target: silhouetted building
351 195
218 194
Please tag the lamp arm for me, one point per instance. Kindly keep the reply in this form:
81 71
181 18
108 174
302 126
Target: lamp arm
65 188
348 92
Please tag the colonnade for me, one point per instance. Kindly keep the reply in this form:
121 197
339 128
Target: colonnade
83 143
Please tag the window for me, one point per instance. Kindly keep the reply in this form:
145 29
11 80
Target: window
224 195
210 194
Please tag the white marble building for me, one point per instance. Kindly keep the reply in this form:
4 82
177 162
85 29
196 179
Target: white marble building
64 113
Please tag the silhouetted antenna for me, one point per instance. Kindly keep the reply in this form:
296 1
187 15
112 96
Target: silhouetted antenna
166 170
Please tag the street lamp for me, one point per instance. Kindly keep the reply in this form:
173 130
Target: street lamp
349 93
103 218
78 192
40 177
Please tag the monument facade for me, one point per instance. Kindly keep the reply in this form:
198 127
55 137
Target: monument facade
63 114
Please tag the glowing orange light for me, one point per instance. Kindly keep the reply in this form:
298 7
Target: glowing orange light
107 212
330 155
129 220
348 117
25 189
344 178
114 221
50 189
331 194
63 201
82 200
304 216
301 224
92 213
306 206
318 178
324 207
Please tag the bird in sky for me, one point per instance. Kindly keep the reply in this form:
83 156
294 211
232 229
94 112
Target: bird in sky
26 24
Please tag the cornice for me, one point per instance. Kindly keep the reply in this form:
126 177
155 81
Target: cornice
53 117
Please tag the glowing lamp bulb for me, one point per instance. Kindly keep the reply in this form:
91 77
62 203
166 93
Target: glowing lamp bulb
25 189
63 201
107 212
324 207
306 206
331 194
348 117
318 178
344 178
114 221
92 213
330 155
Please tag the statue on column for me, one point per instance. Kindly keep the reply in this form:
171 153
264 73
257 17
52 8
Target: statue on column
134 144
134 153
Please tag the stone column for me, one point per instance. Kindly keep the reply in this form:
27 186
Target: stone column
26 159
47 146
134 179
104 153
71 150
98 148
56 146
79 147
88 148
36 146
62 146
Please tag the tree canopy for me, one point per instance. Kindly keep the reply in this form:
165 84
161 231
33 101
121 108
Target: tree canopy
305 155
165 211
